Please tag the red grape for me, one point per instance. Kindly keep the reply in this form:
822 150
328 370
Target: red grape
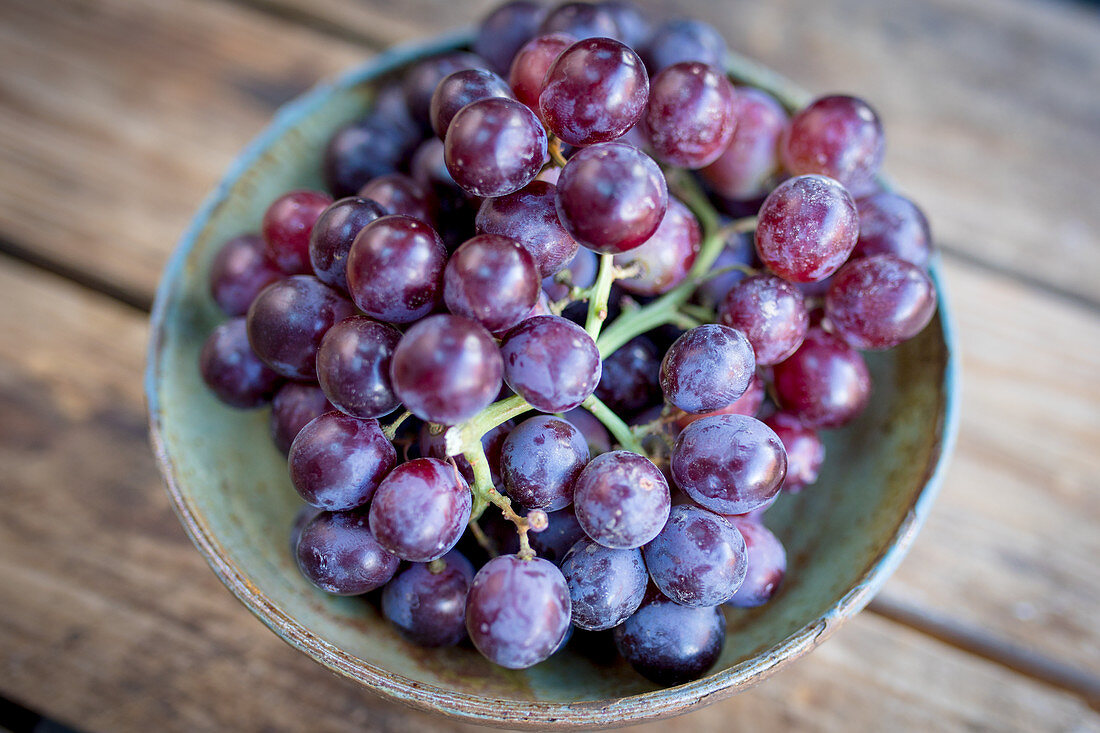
240 270
287 224
707 368
420 509
583 20
337 461
767 564
698 559
353 366
540 461
606 586
836 136
333 235
422 79
504 31
690 117
428 606
494 146
530 217
338 554
295 404
671 644
532 61
621 500
232 370
770 312
493 280
805 451
751 159
666 257
551 362
825 383
890 224
880 301
395 269
461 88
685 40
399 194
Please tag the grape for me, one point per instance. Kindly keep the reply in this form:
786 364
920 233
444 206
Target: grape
517 611
770 312
540 461
836 136
494 146
395 269
353 366
338 554
582 20
453 208
232 370
461 88
877 302
698 559
532 61
890 224
304 516
751 159
434 445
397 193
583 269
551 362
540 308
632 24
825 383
428 606
671 644
446 369
606 586
631 377
739 250
621 500
767 564
685 40
690 116
747 404
563 532
289 318
337 461
493 280
420 509
295 404
593 92
422 79
240 270
611 197
730 464
362 150
286 227
530 217
805 451
504 31
333 234
807 228
667 256
707 368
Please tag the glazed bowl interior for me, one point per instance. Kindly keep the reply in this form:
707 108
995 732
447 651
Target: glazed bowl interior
232 492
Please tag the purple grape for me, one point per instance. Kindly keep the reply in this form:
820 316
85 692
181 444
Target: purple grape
427 606
397 193
583 269
338 554
289 318
530 217
366 149
890 224
632 23
606 586
494 147
563 532
420 509
767 562
240 270
304 516
395 269
333 234
353 366
770 312
690 116
540 308
707 368
751 159
730 464
667 256
504 31
517 611
581 20
593 92
631 377
530 64
540 461
698 559
685 40
551 362
878 302
493 280
433 445
621 500
461 88
739 250
337 461
286 227
295 404
825 383
453 208
232 371
446 369
671 644
611 197
805 451
837 136
421 80
807 228
747 404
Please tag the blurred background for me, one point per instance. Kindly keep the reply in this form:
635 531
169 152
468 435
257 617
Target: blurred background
118 116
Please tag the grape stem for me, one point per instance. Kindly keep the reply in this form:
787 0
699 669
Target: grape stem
485 493
390 431
482 539
553 146
601 291
613 423
465 436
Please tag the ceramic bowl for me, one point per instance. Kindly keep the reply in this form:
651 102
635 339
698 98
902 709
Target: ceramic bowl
231 490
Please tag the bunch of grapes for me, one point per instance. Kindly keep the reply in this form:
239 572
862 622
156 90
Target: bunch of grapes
599 380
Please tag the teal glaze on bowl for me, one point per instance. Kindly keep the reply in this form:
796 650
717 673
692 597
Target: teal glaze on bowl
230 487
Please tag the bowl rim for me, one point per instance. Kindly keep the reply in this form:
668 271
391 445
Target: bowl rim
482 709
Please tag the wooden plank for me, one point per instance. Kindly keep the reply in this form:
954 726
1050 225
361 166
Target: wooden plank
110 621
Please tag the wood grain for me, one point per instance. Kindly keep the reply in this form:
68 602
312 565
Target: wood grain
111 621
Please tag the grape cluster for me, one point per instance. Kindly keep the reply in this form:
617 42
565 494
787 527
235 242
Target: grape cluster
598 380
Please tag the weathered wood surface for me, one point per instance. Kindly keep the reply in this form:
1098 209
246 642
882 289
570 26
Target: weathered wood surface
116 117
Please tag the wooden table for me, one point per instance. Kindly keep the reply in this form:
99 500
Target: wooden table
117 116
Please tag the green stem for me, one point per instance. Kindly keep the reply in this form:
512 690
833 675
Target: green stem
613 423
485 493
554 148
601 291
390 431
463 436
